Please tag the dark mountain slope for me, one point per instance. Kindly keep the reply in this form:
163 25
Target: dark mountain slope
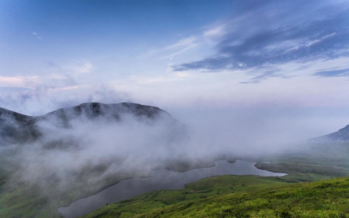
19 128
340 136
110 112
16 127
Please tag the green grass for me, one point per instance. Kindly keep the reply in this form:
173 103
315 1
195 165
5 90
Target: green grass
25 202
19 199
202 189
252 197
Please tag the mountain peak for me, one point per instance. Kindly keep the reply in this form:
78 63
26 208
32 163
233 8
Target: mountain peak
342 135
96 109
16 127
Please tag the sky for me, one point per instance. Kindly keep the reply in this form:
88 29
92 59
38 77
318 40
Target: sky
247 77
283 58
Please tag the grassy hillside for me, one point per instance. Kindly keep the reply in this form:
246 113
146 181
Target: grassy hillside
239 196
18 199
202 189
25 202
256 196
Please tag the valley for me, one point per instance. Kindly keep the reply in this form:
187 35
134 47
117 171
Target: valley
22 195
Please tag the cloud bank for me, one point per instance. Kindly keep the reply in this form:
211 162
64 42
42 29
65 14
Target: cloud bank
81 156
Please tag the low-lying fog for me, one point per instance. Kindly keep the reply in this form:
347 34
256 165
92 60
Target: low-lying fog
91 153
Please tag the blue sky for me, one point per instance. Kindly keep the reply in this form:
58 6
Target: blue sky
175 54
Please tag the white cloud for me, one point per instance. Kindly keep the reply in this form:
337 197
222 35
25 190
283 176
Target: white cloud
37 35
43 99
215 31
186 42
18 81
172 50
182 74
86 67
161 79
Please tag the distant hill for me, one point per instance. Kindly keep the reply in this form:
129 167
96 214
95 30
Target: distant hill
340 136
19 128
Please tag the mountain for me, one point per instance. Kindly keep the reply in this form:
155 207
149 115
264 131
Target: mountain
340 136
19 128
111 112
16 127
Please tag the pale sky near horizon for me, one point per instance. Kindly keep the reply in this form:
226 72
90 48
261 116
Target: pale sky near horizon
223 54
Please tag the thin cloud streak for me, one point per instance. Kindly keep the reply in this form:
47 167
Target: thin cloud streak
173 50
333 73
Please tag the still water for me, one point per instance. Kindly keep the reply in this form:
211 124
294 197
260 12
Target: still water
161 179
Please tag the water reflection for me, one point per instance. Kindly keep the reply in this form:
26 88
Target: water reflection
161 179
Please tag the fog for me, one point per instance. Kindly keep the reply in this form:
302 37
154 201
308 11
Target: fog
78 158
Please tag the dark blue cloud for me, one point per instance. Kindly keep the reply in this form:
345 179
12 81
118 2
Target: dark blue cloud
333 73
274 32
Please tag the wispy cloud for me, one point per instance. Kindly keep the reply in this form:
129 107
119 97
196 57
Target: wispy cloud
182 43
263 76
86 67
174 49
215 31
333 73
44 98
32 82
276 32
18 81
77 67
37 35
160 79
322 67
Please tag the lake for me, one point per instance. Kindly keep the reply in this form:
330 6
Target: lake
160 179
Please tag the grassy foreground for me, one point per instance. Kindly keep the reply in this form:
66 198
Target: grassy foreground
239 196
19 199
